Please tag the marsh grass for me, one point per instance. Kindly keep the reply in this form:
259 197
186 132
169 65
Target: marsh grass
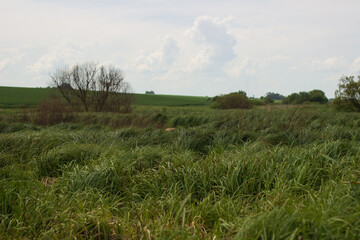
254 174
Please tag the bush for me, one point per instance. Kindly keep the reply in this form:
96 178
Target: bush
53 111
317 96
302 97
274 96
257 102
118 102
268 100
343 105
347 97
233 101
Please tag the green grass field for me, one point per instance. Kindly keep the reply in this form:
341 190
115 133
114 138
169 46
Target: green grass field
17 97
169 100
284 173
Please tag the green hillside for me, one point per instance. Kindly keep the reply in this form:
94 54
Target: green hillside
18 97
169 100
14 97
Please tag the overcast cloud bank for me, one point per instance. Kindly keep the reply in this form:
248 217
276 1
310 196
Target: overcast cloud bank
171 47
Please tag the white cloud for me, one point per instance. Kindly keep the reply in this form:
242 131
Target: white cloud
200 60
330 64
215 42
170 50
11 60
281 46
66 52
355 66
242 67
206 45
159 60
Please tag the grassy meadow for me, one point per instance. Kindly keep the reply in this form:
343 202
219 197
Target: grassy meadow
19 97
265 173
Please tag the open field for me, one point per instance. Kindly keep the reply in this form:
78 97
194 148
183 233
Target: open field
17 97
247 174
169 100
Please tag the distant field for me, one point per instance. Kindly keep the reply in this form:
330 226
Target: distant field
14 97
169 100
17 97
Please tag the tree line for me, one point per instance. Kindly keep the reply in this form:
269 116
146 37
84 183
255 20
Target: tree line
94 87
242 101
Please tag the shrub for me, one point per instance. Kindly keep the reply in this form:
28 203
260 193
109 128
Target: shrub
317 96
257 102
52 111
302 97
268 100
274 96
343 105
347 97
118 102
234 101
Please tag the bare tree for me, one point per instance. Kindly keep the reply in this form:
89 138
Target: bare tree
84 79
91 85
61 80
120 102
110 81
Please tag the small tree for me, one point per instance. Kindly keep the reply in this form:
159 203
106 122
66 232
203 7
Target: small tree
317 96
347 97
120 101
268 100
274 96
301 97
76 83
91 86
233 101
109 82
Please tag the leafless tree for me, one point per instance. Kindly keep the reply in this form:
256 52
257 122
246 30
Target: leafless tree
120 102
61 80
110 81
91 85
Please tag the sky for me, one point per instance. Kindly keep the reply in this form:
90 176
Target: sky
187 47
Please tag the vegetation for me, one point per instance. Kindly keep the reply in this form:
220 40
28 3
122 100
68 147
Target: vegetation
267 100
274 96
315 96
16 97
93 87
169 100
19 97
347 97
235 100
160 172
287 173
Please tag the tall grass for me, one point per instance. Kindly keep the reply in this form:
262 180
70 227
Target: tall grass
256 174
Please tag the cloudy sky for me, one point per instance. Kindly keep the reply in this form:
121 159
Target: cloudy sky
185 47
